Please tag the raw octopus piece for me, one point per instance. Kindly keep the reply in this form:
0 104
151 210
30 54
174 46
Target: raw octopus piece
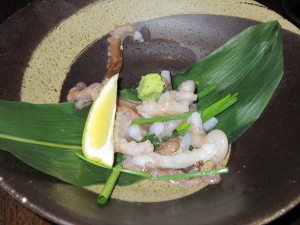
175 153
215 148
166 76
124 118
115 40
84 96
196 130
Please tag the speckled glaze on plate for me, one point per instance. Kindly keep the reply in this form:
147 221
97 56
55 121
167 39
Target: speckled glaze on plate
49 40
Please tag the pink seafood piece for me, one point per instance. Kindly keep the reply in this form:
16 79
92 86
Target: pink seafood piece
84 96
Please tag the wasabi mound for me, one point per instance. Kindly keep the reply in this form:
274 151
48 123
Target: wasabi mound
150 87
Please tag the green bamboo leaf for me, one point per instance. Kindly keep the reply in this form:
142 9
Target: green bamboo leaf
48 136
250 64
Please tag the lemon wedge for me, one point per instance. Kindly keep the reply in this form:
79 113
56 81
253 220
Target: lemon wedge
97 141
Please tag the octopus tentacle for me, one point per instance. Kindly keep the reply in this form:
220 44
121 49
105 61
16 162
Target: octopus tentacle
115 59
84 96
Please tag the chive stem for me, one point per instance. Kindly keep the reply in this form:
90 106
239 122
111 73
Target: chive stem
218 107
183 127
206 91
162 118
191 175
109 185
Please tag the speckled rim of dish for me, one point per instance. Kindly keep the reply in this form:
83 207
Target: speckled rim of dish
220 5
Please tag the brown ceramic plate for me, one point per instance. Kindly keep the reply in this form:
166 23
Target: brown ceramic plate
48 40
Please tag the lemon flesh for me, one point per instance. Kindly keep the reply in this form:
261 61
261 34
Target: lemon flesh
97 141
